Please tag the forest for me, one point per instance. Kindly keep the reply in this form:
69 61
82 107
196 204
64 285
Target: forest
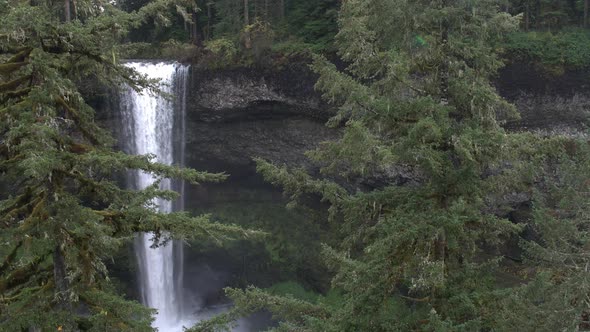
294 165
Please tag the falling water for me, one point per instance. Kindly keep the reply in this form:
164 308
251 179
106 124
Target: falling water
152 126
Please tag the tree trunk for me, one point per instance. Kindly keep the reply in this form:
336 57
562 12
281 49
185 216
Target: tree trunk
59 276
586 5
444 66
527 17
195 29
281 9
538 15
75 9
68 15
247 38
246 13
208 21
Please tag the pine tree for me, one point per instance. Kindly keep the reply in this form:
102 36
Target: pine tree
553 278
63 213
415 100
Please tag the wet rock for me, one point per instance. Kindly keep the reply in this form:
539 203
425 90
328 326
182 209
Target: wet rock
236 115
246 93
548 104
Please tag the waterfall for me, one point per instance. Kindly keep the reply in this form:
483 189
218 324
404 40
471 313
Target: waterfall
154 125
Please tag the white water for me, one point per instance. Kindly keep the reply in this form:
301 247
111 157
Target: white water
155 125
152 127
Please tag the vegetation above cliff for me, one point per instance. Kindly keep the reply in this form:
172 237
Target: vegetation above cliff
550 52
551 33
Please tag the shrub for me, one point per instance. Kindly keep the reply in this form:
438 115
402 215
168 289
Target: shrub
294 289
223 51
173 49
294 47
257 39
569 49
169 50
136 51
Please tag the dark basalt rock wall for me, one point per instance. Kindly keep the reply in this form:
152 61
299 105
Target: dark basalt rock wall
547 103
544 100
220 95
516 78
236 115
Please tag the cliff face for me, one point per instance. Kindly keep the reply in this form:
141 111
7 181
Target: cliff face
250 93
235 115
546 103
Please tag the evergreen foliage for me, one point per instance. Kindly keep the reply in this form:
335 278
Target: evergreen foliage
549 14
555 285
288 27
427 255
64 214
552 32
565 49
313 22
425 251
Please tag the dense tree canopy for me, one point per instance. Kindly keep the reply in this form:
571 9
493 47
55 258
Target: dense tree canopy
550 32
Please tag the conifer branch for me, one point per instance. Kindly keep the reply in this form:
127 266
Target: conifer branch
409 85
18 94
31 290
19 104
10 258
8 68
80 177
21 56
5 163
36 212
20 205
14 83
424 299
14 213
21 275
76 116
